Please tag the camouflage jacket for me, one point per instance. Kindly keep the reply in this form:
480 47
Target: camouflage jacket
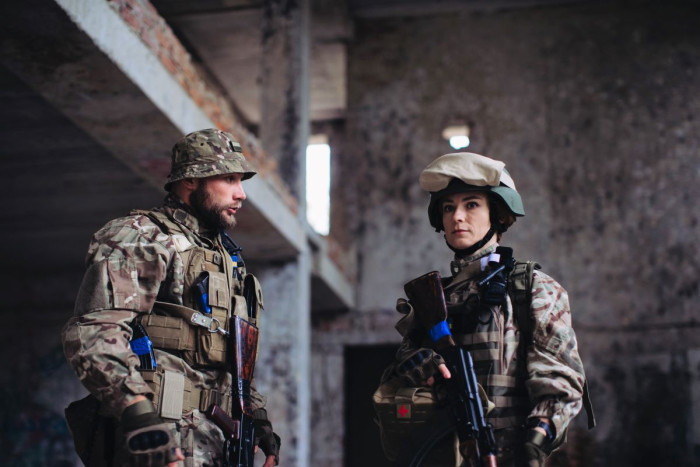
131 263
548 384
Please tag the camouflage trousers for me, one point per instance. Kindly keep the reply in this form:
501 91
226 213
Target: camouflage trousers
200 441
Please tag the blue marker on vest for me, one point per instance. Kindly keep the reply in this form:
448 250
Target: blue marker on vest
202 290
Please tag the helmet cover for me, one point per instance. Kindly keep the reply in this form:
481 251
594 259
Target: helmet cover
466 171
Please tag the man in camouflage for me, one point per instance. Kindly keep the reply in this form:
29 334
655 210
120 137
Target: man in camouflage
538 388
142 270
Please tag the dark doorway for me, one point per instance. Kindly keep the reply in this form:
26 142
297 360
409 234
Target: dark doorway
364 365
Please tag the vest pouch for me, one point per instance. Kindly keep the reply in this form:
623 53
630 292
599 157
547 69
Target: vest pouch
171 332
399 411
252 292
211 346
195 344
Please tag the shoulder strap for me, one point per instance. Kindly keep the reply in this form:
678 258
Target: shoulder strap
160 219
520 290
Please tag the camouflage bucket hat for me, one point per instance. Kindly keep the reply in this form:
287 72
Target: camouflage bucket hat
465 171
206 153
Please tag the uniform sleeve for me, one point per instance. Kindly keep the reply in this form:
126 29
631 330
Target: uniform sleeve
555 372
126 264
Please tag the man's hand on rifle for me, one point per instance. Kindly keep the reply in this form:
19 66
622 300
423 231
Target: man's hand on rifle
269 461
267 440
148 438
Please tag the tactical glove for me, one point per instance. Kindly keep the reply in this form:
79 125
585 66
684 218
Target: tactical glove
419 366
149 439
268 440
533 454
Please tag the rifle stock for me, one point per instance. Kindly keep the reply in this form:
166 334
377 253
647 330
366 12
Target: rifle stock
428 301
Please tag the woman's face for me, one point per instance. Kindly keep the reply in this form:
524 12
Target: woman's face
466 219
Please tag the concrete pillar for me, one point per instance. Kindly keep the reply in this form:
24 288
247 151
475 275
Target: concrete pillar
282 370
284 124
284 131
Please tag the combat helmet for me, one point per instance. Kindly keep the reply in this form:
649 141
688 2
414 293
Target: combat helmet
205 153
466 171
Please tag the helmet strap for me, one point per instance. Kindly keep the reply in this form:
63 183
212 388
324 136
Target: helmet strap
461 253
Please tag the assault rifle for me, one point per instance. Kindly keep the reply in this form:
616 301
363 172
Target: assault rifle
465 414
238 428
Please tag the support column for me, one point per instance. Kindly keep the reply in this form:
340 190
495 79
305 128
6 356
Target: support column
284 130
284 125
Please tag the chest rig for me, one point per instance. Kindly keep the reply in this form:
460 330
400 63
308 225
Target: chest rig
215 287
480 318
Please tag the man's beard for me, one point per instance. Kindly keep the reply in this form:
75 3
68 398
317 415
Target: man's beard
208 212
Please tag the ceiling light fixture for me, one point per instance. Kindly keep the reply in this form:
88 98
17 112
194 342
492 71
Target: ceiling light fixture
457 135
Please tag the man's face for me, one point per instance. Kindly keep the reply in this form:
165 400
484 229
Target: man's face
217 199
466 219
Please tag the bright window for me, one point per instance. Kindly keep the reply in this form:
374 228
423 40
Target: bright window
318 185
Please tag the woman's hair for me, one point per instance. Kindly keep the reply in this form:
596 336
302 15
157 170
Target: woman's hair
501 216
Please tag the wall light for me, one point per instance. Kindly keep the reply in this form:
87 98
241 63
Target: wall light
457 135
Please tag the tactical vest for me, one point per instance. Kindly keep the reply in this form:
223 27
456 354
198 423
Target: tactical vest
186 330
480 329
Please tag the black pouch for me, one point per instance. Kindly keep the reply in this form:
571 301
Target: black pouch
90 431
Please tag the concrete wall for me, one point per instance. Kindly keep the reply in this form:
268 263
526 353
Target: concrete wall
594 108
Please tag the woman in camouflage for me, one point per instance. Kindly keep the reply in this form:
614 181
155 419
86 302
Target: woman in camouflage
535 378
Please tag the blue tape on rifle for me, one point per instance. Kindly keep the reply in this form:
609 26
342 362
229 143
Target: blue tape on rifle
439 331
141 346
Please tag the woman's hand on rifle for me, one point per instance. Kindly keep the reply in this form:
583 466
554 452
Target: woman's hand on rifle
442 368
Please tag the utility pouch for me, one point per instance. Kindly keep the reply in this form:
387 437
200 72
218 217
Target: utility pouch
399 411
199 336
89 430
252 292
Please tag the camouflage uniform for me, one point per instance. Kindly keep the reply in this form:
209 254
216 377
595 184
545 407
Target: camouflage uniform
548 384
133 264
527 383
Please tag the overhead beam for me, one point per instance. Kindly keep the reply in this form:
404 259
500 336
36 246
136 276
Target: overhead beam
116 39
397 8
173 8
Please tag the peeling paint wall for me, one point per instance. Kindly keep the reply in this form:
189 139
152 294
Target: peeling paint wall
594 108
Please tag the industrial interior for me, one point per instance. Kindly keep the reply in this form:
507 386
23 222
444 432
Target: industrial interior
594 106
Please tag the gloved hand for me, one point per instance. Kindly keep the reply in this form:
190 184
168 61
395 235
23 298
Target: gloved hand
270 444
420 365
265 438
533 455
149 440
